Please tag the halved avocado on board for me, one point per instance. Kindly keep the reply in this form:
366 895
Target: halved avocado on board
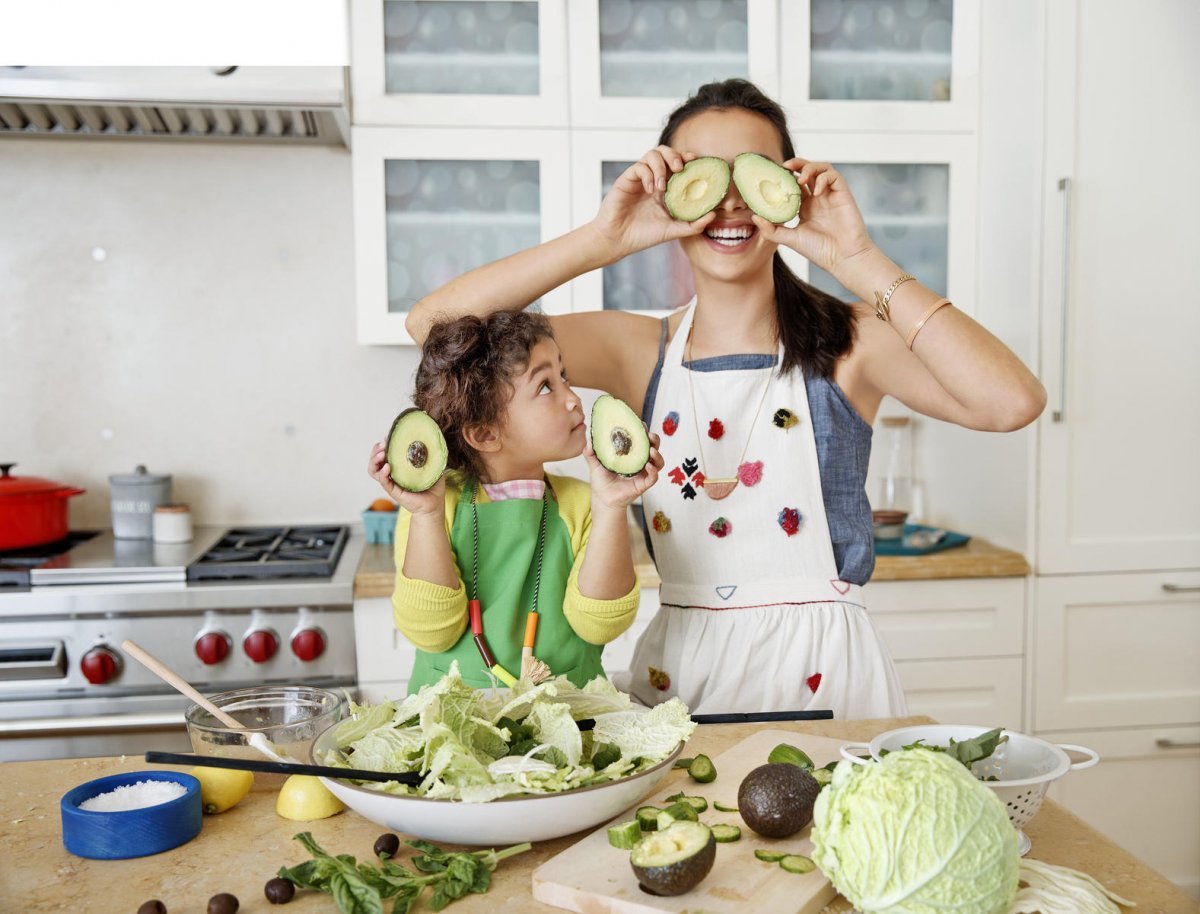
769 189
675 860
697 188
416 451
619 439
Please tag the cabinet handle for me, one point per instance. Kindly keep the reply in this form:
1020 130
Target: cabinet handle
1060 414
1164 743
1181 588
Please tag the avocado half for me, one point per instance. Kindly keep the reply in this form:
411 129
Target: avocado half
697 189
769 189
776 800
619 439
675 860
416 451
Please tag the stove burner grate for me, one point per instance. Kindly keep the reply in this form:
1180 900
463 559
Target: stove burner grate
272 552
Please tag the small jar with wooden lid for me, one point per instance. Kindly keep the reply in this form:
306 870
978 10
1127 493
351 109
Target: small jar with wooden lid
172 524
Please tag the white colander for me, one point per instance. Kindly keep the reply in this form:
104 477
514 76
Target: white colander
1024 766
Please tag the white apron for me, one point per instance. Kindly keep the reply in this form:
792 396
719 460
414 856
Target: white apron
753 616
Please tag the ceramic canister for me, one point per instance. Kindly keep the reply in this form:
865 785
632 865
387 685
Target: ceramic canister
134 497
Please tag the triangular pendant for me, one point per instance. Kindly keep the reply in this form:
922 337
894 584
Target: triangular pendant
716 489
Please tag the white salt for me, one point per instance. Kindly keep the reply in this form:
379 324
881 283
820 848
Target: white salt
134 796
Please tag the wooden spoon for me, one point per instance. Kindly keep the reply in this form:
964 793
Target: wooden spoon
258 740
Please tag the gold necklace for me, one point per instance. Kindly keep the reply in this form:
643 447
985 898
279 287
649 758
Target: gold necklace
717 489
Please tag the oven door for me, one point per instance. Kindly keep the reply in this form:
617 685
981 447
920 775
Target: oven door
49 728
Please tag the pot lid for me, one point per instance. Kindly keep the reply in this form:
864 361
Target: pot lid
27 485
139 477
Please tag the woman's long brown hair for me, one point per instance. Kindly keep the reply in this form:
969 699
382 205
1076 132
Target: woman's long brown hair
816 328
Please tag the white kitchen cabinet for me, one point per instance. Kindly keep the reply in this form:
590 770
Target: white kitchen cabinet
632 62
958 646
444 62
1117 650
918 195
432 204
385 657
881 66
1117 450
1143 794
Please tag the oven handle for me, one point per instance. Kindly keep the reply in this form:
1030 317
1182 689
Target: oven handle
79 726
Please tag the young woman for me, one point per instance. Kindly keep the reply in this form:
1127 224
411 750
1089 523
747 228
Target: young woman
766 388
500 530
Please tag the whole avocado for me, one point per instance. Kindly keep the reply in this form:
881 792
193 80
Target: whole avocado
776 800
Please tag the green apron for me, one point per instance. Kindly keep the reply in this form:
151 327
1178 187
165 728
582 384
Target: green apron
508 535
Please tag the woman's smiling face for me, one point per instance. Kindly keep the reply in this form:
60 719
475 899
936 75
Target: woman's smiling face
731 247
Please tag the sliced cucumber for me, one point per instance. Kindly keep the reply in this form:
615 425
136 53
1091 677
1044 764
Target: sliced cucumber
822 775
768 856
647 817
721 807
625 835
682 763
794 863
724 834
702 769
697 803
792 756
664 821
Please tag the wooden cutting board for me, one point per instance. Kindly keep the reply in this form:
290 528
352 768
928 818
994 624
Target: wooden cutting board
593 877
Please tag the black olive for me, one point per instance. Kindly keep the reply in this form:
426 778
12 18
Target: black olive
153 906
223 904
387 844
279 890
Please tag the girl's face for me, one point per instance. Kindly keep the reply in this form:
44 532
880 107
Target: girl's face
731 248
544 420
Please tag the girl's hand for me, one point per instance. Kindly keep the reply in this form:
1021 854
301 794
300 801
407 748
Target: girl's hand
619 491
432 501
831 228
632 216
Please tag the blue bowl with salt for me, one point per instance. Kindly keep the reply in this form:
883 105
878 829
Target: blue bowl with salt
140 813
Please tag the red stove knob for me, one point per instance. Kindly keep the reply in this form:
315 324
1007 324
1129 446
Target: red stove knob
260 645
99 665
308 644
212 647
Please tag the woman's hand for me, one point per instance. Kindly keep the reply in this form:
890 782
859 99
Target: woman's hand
619 491
632 216
831 230
432 501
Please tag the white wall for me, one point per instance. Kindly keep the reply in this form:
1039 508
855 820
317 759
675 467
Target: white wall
215 342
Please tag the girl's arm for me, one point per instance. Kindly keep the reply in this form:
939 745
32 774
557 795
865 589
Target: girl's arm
956 370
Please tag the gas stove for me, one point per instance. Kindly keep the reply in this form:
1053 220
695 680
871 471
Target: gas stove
232 608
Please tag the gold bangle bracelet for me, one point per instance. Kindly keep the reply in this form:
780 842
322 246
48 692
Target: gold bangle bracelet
912 334
883 299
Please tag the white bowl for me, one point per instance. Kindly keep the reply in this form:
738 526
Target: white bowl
509 820
1024 766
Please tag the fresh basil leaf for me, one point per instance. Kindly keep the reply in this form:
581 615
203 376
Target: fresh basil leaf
353 896
307 875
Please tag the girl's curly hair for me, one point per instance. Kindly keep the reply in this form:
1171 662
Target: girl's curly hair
465 378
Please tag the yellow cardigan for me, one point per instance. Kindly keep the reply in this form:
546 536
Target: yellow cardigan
433 617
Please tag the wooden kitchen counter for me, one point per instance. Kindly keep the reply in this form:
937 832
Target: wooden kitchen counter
977 559
239 850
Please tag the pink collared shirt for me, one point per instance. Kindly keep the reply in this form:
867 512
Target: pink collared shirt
515 488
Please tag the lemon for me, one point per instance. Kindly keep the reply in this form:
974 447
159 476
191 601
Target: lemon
303 798
221 788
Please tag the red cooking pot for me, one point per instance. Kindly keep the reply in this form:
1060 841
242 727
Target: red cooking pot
32 510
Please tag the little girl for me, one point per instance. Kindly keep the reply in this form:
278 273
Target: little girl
546 557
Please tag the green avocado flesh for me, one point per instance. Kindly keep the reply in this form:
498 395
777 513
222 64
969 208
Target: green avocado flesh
416 451
697 189
675 860
768 189
619 439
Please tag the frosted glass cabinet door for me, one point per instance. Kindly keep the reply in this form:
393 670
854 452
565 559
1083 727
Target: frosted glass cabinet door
918 203
495 63
881 64
654 281
428 207
632 61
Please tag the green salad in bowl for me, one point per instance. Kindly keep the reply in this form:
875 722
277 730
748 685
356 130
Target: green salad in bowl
502 765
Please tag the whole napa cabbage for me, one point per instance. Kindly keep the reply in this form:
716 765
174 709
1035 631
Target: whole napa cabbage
915 833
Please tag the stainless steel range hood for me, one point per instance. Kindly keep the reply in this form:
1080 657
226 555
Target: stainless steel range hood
243 104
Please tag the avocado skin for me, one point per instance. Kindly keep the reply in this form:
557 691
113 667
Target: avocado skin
776 800
681 876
